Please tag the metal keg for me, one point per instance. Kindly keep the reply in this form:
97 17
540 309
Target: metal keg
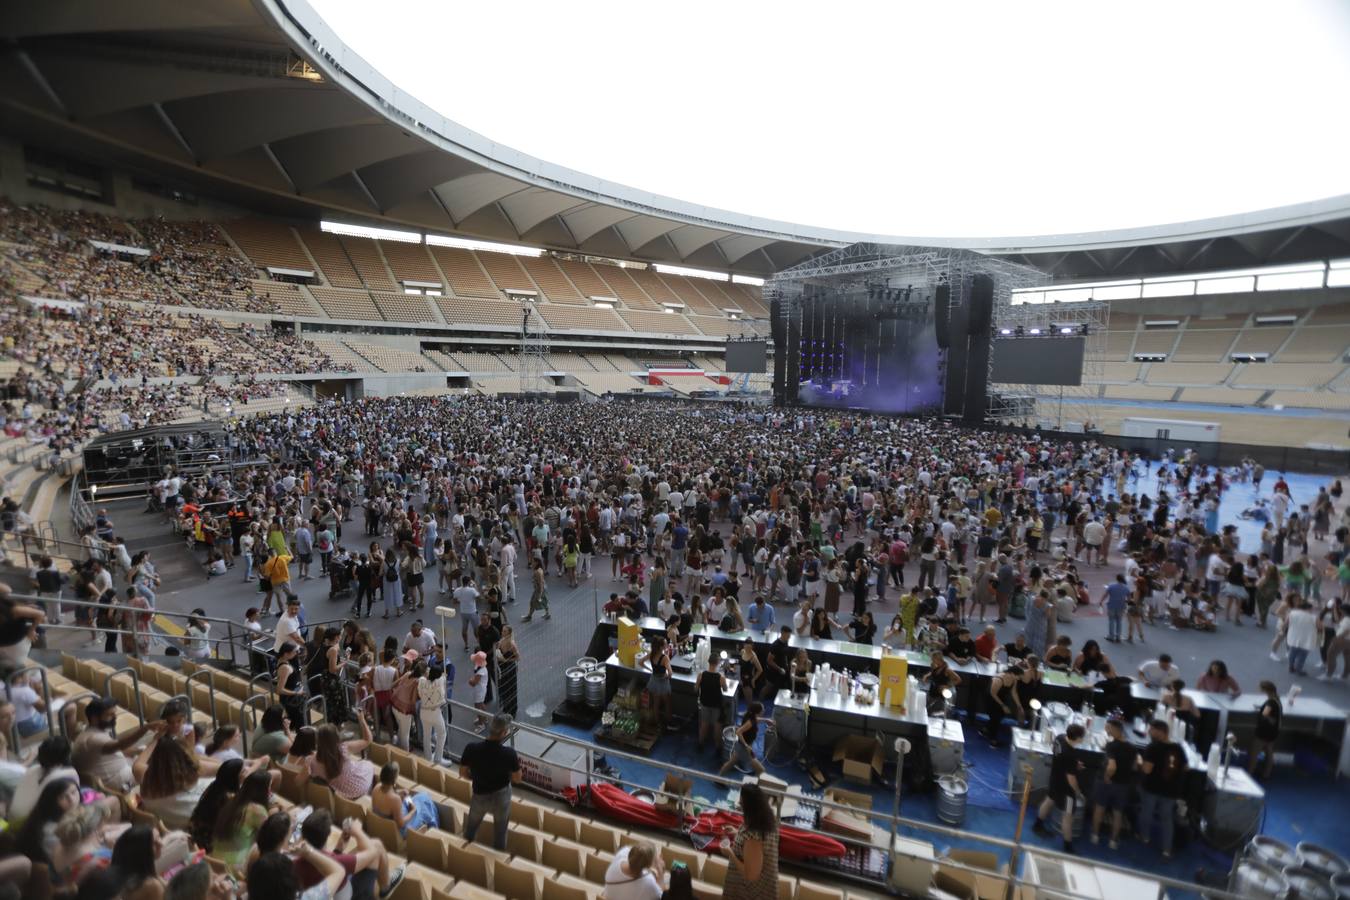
1341 885
595 690
587 663
576 685
728 741
1271 852
1328 862
1308 884
1257 880
951 800
1077 824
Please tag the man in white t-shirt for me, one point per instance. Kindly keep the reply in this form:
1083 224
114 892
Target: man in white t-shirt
419 638
288 626
466 598
635 873
1159 673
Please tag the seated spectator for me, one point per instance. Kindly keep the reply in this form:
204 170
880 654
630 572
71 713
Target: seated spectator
202 822
241 817
364 862
272 738
99 755
635 873
416 811
339 763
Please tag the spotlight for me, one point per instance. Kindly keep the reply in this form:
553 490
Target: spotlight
1066 330
1005 331
1035 331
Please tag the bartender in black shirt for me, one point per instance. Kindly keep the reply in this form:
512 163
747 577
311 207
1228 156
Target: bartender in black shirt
1065 792
712 685
1117 780
1164 766
776 675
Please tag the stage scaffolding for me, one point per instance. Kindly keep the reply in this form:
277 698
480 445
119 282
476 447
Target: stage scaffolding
899 267
1062 408
534 347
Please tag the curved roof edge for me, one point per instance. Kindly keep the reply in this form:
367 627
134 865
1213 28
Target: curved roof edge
317 41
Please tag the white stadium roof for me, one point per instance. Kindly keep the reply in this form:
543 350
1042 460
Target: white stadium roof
259 102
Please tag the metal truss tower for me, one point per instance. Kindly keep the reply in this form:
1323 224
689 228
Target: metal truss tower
534 347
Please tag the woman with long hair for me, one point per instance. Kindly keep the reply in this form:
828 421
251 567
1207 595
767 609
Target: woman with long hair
241 817
339 762
202 822
172 780
743 751
133 863
334 691
752 851
58 798
290 684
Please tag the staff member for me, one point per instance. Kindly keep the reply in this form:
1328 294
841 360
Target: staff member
1065 793
776 676
1003 700
1268 722
493 768
1164 766
1113 790
712 684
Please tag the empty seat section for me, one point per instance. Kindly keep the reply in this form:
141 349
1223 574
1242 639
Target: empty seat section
582 275
1234 396
1265 339
341 353
693 298
1330 314
466 276
590 318
719 327
655 288
1188 373
754 297
552 282
365 256
505 271
1316 343
269 243
332 259
1204 345
289 298
1156 340
1137 392
719 292
410 262
657 322
1305 375
625 288
391 359
444 360
342 304
404 307
1120 371
1309 400
1119 346
479 312
570 362
473 361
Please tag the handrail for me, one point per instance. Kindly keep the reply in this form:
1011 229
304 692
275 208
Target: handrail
135 686
46 694
210 674
73 698
315 699
271 688
247 708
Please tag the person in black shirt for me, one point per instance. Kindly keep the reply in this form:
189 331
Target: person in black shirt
1117 779
1267 730
961 648
712 685
1065 792
940 676
778 659
493 768
1003 701
1018 649
863 629
1163 765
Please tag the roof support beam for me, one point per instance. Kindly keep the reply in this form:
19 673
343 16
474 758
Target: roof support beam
177 135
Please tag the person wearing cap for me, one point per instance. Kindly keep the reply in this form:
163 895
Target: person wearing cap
492 768
98 754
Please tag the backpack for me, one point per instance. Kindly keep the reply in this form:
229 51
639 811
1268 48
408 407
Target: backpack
391 571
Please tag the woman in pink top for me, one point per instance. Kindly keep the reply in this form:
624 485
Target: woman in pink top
339 762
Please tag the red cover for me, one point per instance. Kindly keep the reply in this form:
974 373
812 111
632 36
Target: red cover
615 802
793 843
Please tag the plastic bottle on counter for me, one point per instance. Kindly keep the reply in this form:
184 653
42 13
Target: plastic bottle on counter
1212 764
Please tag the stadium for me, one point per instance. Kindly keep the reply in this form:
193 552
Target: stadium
366 478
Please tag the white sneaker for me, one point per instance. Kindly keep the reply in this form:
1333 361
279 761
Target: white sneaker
1275 656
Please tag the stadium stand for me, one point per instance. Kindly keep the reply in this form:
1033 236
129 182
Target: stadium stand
505 271
366 258
1233 396
404 307
445 361
653 286
474 361
1138 392
551 281
686 291
718 327
410 262
343 354
581 317
601 382
1314 342
346 304
331 258
657 322
391 359
269 243
570 362
1287 375
584 277
1187 373
1203 345
458 311
462 271
290 299
621 285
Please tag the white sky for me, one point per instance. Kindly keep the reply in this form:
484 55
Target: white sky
933 118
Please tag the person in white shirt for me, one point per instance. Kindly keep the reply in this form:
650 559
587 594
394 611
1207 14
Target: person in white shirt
1159 673
288 626
419 638
634 874
466 599
801 620
431 693
507 573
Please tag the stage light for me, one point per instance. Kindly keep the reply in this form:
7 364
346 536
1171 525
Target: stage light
1035 331
1066 330
1005 331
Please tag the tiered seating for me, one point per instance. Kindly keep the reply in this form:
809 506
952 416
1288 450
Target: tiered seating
410 262
570 362
1120 371
625 288
1119 346
551 280
657 323
686 384
457 310
687 290
654 287
1234 396
365 256
473 361
342 354
1203 345
1188 373
391 359
24 281
1330 314
1159 340
466 276
753 299
619 361
583 276
501 384
342 304
505 271
269 243
1137 392
1316 343
589 318
331 258
1309 400
404 307
719 293
1292 375
719 326
289 298
1261 340
447 362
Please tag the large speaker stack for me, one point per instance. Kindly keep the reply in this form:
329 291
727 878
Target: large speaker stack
968 333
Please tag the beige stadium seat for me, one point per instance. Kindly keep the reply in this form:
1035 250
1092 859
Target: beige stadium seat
552 282
345 304
268 243
410 262
332 259
581 318
365 256
1155 340
1188 373
404 307
1316 342
505 271
657 323
1203 345
1293 375
480 312
583 275
621 285
466 276
687 290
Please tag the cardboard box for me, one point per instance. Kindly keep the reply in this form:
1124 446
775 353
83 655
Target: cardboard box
969 885
861 756
847 822
681 787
